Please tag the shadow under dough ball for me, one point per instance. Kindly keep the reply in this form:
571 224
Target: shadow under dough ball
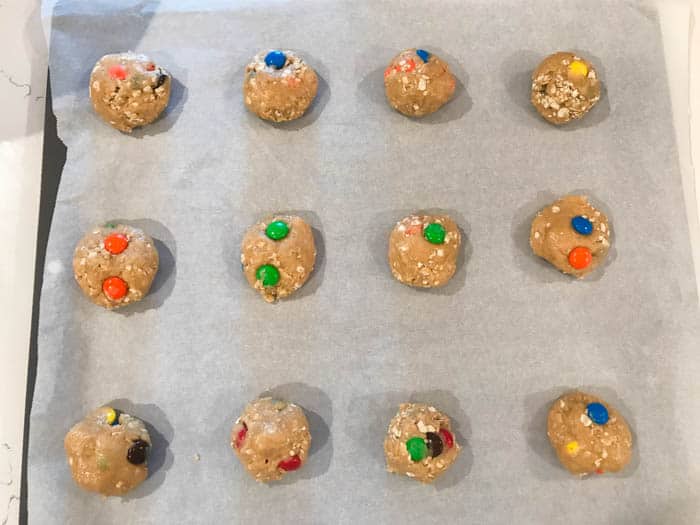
271 438
572 235
129 90
423 250
564 87
419 443
108 452
418 83
278 256
279 86
115 265
588 435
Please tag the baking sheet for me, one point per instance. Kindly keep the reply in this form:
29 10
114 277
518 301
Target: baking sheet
492 349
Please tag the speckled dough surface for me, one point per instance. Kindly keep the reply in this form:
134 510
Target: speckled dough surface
565 87
271 438
129 90
132 263
583 445
416 261
420 443
417 82
108 452
292 256
279 92
572 235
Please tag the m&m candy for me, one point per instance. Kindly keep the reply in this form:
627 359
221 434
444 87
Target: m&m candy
114 287
275 59
116 243
580 257
582 225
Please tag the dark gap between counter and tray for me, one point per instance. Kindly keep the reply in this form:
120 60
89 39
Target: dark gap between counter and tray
53 160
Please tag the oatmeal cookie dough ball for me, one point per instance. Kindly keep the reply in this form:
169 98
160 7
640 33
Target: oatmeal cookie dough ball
129 90
564 87
108 451
423 250
279 85
572 235
115 264
419 443
278 256
418 83
271 438
588 435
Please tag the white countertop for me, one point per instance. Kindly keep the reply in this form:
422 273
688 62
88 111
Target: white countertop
23 67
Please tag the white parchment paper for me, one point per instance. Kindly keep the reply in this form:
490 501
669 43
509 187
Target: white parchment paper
492 349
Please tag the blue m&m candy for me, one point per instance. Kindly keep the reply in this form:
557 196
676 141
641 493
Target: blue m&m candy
582 225
275 59
598 413
423 54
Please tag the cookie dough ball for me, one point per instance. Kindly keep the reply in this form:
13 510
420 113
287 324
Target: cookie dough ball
572 235
271 438
418 83
564 87
129 90
108 451
278 256
115 265
588 435
279 85
423 250
420 443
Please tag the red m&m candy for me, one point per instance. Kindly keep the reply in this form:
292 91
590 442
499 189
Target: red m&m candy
289 464
117 71
447 438
240 435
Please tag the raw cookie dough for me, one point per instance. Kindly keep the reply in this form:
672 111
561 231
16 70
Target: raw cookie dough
564 87
423 250
278 256
129 90
279 85
115 264
271 438
108 451
572 235
418 83
420 443
588 435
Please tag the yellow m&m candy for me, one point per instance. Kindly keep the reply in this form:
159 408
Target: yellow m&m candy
578 69
572 447
111 416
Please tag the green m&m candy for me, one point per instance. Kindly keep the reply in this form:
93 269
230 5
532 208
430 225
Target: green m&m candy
434 233
277 230
417 448
268 275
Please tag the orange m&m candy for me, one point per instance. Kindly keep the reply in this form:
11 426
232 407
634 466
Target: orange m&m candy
413 229
114 287
409 66
116 243
580 257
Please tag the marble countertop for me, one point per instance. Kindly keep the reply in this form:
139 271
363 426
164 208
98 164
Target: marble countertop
23 72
